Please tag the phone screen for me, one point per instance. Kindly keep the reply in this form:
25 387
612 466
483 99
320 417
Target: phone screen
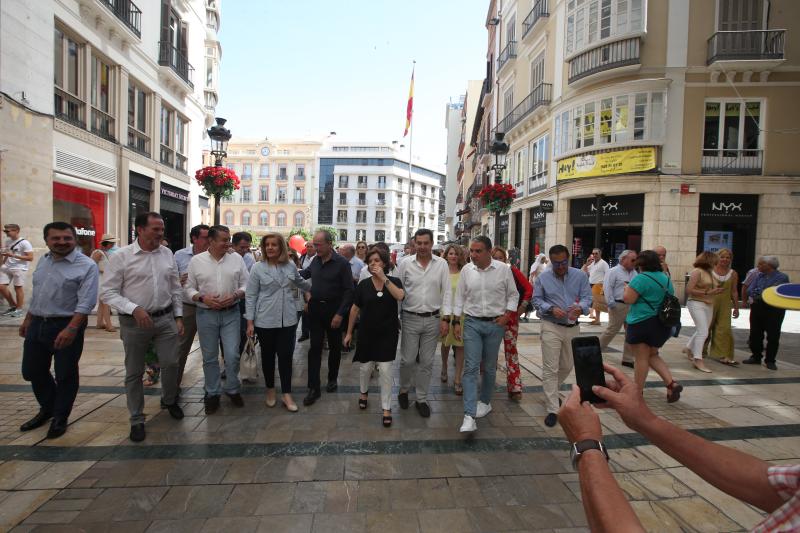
588 369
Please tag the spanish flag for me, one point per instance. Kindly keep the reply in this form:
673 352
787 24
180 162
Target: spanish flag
410 106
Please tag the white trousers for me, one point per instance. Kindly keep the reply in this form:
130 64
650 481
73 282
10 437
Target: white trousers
616 322
385 378
701 314
556 360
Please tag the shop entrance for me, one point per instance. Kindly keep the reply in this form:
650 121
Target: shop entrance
729 221
615 239
174 224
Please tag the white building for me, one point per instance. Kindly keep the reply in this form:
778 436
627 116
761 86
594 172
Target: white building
104 114
365 191
453 122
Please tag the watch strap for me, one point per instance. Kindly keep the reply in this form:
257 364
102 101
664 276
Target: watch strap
578 448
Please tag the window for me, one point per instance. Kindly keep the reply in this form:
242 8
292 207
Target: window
361 217
539 162
282 172
398 235
180 143
361 235
380 217
281 219
210 61
264 171
246 195
732 126
247 170
341 215
424 190
342 234
508 101
69 104
362 198
381 182
343 182
591 21
421 219
399 184
263 193
613 120
263 218
399 197
299 195
520 168
246 218
412 187
299 219
102 99
229 218
342 198
137 120
301 171
381 199
537 72
362 182
398 217
167 153
281 199
380 235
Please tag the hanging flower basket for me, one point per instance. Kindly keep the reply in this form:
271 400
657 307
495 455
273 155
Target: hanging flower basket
219 182
497 197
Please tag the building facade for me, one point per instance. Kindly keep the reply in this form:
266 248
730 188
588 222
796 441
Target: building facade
103 114
453 123
277 185
647 123
367 192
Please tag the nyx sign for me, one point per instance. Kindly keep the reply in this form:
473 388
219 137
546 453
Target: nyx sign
547 206
538 217
729 207
627 208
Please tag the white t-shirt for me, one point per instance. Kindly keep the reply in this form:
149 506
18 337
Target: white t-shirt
18 246
597 271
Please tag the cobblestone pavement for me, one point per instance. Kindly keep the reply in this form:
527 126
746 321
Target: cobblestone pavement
333 467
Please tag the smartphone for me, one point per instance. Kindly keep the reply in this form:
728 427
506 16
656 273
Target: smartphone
588 367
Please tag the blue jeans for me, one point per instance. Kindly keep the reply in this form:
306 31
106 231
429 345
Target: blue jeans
214 327
481 344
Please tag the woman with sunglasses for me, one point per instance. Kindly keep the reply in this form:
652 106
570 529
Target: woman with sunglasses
361 251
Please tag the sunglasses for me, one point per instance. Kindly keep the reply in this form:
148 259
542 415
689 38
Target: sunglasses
565 262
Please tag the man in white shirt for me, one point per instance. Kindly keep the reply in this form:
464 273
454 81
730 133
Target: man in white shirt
14 258
596 267
487 296
198 236
426 280
142 283
217 281
614 284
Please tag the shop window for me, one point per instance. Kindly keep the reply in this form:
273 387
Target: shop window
263 218
299 219
84 209
281 219
229 218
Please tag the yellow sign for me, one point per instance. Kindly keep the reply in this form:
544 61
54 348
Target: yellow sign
607 164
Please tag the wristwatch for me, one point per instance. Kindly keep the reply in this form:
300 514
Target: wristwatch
579 447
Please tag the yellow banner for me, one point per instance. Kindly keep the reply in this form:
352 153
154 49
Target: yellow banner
606 164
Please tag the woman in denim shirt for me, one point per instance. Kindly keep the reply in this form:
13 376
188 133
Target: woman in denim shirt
271 313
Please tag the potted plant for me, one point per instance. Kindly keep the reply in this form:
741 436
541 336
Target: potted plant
218 182
497 197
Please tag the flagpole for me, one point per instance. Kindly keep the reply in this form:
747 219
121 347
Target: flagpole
410 156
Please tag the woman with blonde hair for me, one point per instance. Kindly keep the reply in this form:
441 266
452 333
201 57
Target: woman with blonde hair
701 289
271 313
361 250
456 258
725 305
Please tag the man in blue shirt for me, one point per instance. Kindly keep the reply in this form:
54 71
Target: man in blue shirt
64 293
560 295
763 317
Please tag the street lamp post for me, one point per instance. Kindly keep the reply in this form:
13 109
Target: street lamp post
500 150
219 136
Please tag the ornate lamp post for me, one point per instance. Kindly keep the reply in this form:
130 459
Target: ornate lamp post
500 150
219 135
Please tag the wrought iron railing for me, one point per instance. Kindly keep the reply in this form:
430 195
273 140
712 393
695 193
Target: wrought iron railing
102 125
508 53
181 163
172 57
539 10
722 161
747 45
605 57
138 141
127 12
69 108
539 96
167 156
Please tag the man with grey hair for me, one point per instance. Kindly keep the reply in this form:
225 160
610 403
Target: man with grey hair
348 251
661 252
763 317
614 283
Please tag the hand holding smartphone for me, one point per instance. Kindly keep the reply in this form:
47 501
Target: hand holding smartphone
589 372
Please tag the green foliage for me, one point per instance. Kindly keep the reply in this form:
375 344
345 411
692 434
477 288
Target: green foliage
302 232
334 233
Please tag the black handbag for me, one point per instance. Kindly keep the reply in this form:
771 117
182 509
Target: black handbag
669 312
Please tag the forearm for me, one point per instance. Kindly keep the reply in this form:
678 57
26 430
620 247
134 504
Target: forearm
351 322
396 292
738 474
78 319
603 500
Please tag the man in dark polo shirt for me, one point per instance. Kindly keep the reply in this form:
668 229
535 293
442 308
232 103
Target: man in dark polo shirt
331 297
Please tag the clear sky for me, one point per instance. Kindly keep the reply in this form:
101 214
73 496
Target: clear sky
295 68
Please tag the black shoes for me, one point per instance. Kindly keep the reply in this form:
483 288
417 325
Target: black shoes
751 361
332 386
302 338
236 399
771 365
628 364
39 420
402 399
313 396
212 404
423 409
137 433
550 420
175 411
57 428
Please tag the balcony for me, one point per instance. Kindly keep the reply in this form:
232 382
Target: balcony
519 188
299 200
537 182
102 125
181 163
138 142
342 201
539 10
508 53
540 96
362 201
169 56
362 185
732 162
749 46
280 200
167 156
282 177
605 57
380 201
127 12
69 109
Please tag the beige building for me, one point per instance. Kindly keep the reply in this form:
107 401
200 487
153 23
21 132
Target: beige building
278 185
678 118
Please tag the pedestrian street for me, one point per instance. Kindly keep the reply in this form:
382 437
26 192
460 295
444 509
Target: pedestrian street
333 467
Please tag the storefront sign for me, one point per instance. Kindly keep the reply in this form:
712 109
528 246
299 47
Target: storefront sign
729 207
83 232
84 209
547 206
627 209
538 217
607 163
503 223
172 192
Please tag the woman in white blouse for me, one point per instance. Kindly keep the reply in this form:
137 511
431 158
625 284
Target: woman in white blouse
271 313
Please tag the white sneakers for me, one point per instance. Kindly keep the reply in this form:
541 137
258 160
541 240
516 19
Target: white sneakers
483 409
468 425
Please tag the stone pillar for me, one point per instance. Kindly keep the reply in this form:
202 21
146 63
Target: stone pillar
525 239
